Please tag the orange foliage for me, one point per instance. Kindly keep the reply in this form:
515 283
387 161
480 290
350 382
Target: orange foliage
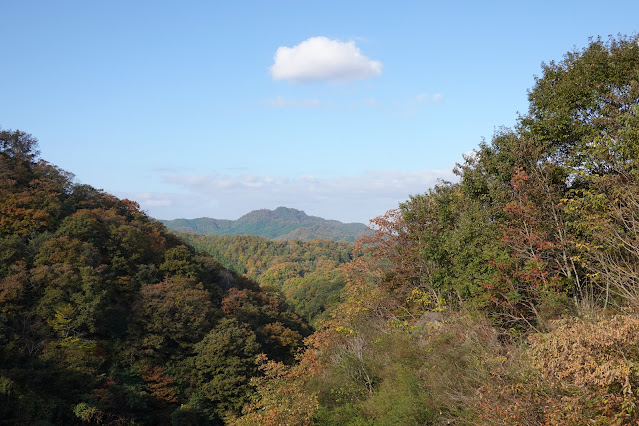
584 371
12 286
234 301
282 397
159 384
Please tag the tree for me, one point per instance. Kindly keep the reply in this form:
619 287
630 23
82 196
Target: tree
18 146
171 317
579 106
585 111
223 364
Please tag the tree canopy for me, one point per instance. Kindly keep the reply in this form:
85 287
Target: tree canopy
107 318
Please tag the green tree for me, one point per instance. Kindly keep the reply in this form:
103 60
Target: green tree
170 317
223 364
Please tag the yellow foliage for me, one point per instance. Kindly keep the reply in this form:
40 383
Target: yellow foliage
61 323
595 355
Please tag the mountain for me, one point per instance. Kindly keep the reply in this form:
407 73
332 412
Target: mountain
280 224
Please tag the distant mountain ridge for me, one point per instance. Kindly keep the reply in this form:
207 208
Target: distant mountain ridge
283 223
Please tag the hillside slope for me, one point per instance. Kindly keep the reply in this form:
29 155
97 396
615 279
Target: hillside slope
281 224
108 318
309 273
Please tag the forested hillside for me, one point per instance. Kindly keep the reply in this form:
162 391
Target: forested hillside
107 318
309 273
509 297
280 224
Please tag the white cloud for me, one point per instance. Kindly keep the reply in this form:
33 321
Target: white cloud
320 59
152 200
425 97
419 102
345 198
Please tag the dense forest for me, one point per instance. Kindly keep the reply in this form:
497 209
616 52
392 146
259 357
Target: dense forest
107 318
310 274
510 296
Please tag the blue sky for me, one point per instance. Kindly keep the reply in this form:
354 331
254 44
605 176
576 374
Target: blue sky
338 108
